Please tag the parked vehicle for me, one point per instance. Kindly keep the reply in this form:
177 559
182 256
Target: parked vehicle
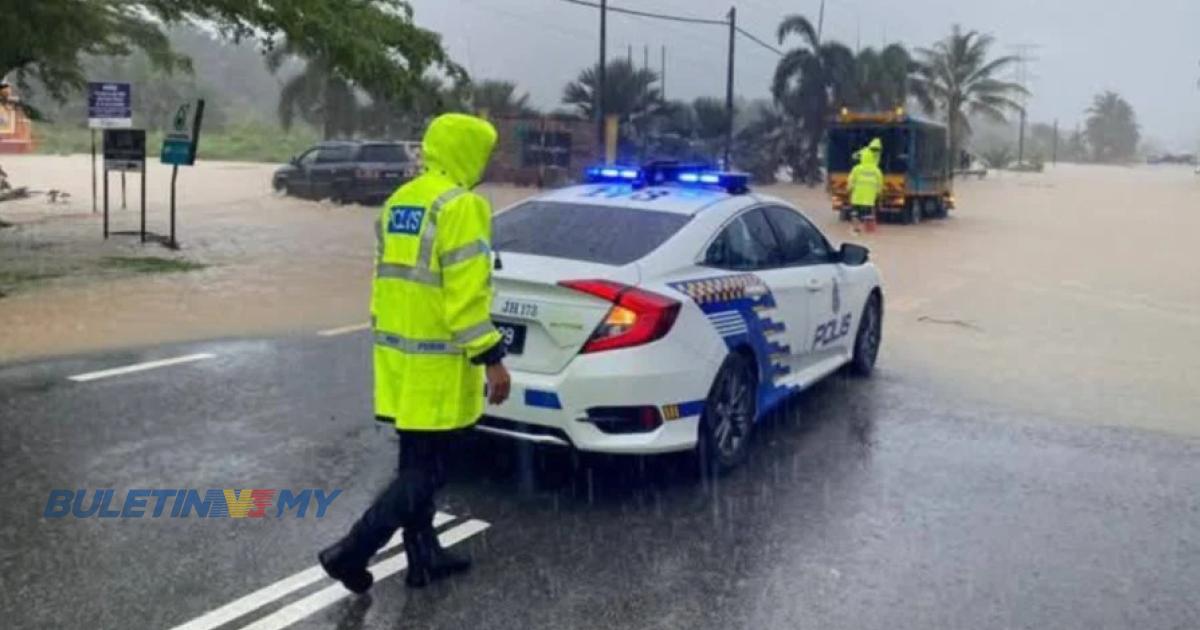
347 171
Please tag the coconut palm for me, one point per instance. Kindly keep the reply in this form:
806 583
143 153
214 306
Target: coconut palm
957 78
317 94
1111 128
500 99
629 92
809 80
881 78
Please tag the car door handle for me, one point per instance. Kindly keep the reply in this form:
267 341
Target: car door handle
814 284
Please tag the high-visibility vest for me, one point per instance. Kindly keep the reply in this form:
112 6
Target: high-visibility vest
432 293
866 180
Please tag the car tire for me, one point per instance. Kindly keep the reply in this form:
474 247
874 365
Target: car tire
844 214
728 419
869 337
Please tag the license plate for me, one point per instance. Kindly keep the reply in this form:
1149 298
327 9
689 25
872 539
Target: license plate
513 336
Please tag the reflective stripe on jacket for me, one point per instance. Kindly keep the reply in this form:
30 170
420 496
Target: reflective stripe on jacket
866 180
431 298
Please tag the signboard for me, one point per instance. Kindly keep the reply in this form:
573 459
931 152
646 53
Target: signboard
124 149
183 135
110 105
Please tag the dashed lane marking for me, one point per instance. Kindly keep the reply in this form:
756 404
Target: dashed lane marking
300 609
140 367
333 332
280 589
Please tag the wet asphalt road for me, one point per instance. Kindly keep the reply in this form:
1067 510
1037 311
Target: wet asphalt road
867 504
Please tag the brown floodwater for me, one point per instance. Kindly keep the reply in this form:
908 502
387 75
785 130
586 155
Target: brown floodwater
1075 292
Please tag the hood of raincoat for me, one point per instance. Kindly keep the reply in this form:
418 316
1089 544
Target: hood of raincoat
458 146
870 155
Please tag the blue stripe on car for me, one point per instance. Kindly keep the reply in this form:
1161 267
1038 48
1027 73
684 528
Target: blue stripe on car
539 398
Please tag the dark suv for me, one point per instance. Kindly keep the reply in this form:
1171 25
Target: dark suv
347 171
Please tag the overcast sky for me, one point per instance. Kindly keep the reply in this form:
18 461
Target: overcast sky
1148 50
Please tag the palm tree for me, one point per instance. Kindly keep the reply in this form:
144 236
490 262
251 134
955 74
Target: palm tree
500 99
1111 128
809 80
881 78
317 94
629 92
767 141
957 78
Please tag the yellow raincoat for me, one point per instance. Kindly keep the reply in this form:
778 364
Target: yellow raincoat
432 294
866 180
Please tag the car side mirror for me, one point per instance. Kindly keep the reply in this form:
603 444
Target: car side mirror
294 161
853 255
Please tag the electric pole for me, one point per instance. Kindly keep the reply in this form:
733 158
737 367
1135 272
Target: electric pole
599 95
662 76
729 86
1022 70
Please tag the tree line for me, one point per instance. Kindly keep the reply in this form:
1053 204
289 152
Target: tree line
363 67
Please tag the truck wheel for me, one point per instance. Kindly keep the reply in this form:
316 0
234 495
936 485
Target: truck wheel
844 214
728 418
912 212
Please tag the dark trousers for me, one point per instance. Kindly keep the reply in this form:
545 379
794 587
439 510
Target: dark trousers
408 500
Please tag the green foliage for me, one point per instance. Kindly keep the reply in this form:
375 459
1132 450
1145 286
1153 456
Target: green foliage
500 100
243 141
809 80
629 92
1111 128
957 78
372 44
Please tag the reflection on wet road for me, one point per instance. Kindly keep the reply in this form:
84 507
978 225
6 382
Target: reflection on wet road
866 504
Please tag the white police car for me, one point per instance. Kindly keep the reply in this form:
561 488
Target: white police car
664 308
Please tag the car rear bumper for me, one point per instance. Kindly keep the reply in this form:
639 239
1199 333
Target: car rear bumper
553 408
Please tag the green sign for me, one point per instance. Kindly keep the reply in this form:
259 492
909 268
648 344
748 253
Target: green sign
183 135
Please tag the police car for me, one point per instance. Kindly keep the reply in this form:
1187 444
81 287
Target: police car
667 308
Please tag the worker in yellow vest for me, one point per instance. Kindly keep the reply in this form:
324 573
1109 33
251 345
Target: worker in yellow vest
865 184
435 345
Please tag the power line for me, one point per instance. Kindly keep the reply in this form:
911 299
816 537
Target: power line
657 16
758 41
679 18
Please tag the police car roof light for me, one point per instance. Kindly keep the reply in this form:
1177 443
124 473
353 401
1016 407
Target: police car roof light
613 174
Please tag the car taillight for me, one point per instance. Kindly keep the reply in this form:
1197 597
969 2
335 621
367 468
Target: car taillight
636 317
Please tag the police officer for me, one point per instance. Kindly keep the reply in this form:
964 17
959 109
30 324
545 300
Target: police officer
865 182
434 345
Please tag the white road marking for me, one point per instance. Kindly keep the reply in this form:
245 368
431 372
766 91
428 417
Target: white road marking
344 330
300 609
280 589
140 367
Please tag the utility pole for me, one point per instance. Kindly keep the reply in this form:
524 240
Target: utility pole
662 76
599 95
629 54
1023 58
729 85
1054 144
645 56
820 22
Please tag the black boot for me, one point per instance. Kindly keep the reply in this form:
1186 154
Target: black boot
339 562
428 560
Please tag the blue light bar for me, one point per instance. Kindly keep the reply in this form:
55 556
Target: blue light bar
660 173
615 174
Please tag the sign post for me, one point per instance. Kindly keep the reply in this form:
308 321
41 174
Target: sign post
110 106
179 147
125 150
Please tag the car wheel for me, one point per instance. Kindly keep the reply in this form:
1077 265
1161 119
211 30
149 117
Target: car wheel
844 214
869 337
728 418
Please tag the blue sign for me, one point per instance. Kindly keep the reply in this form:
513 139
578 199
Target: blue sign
110 105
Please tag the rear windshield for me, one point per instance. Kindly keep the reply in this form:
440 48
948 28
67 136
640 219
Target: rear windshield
599 234
382 153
